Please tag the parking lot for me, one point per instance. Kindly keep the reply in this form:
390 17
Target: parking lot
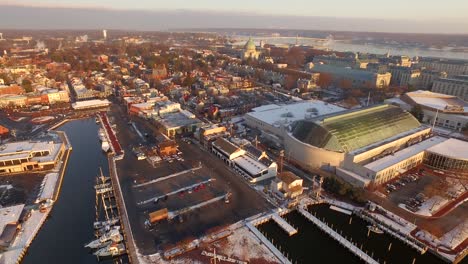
141 183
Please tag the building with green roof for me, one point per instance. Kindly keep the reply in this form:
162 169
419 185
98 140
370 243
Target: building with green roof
351 139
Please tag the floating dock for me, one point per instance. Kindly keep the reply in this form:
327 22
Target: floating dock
343 241
284 225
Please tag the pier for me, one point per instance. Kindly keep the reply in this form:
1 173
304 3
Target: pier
268 244
343 241
122 210
421 248
283 224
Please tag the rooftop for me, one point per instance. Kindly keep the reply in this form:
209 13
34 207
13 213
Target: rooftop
404 154
91 104
276 115
252 166
452 148
225 146
25 149
10 215
177 120
288 177
437 100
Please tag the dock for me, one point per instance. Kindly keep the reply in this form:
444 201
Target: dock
343 241
122 211
268 244
284 225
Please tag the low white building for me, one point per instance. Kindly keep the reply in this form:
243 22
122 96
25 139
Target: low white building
246 165
90 104
451 111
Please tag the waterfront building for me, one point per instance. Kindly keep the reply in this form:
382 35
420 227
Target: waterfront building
273 118
365 146
287 185
456 85
30 155
351 78
451 155
441 110
244 163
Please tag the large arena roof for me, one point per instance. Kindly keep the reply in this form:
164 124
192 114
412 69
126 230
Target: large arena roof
356 129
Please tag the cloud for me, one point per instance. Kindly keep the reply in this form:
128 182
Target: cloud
34 17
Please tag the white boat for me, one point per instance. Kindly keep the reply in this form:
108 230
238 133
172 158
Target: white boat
141 156
101 231
101 134
97 120
98 225
375 229
111 236
105 146
112 250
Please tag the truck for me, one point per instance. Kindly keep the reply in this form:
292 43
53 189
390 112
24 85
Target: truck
159 215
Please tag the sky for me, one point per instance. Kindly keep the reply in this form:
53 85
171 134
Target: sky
438 16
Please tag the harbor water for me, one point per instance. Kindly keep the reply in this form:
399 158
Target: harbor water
311 244
70 226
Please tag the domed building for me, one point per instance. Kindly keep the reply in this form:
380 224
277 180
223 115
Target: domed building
250 51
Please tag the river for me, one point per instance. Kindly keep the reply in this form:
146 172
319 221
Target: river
370 48
70 226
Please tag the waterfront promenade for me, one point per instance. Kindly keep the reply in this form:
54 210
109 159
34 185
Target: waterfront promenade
127 229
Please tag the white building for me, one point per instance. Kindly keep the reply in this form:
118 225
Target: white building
246 165
451 112
30 155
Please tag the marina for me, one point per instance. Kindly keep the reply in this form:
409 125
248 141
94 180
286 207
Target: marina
76 206
364 242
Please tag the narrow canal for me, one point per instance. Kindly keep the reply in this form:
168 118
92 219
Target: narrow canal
63 236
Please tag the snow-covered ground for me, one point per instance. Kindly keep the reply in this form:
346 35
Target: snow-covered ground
431 206
241 245
24 237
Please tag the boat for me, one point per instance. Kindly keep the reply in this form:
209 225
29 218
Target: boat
111 236
375 229
97 120
112 250
102 185
105 146
103 230
99 224
141 156
102 134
